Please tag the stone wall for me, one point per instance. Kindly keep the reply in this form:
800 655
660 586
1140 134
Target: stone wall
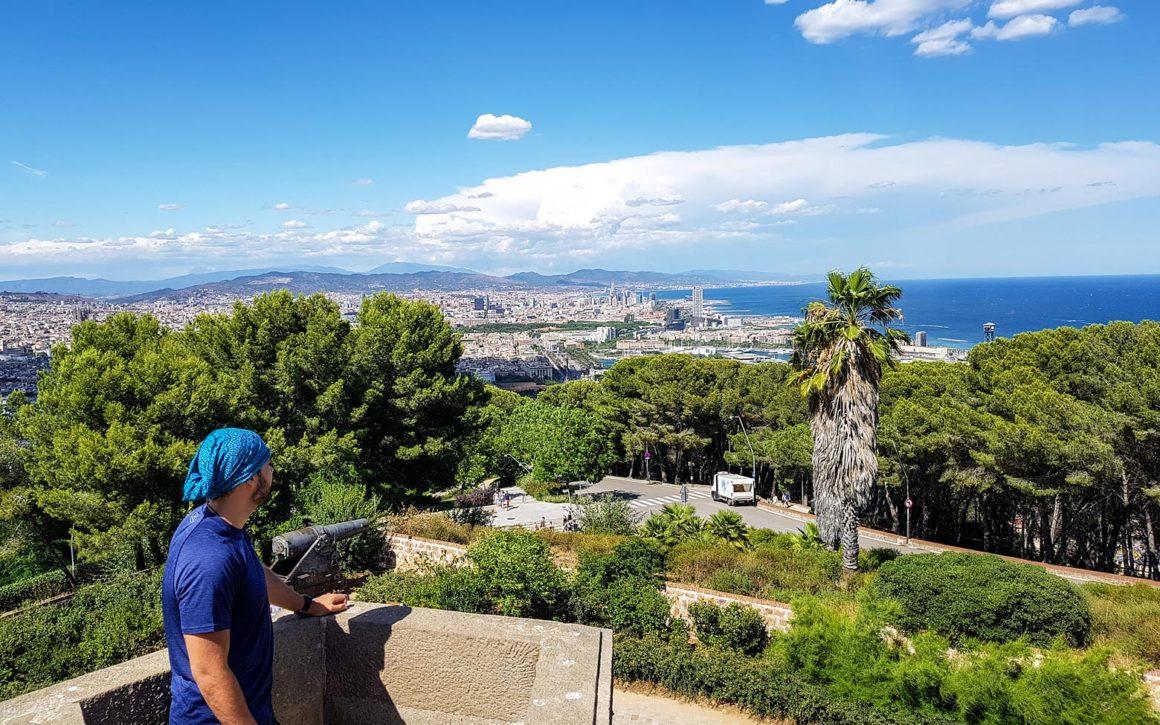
408 552
775 614
377 663
403 552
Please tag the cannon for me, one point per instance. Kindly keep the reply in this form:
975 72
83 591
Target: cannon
306 558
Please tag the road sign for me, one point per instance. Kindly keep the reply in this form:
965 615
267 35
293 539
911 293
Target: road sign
909 503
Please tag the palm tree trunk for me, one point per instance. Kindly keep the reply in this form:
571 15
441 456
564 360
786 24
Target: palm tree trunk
850 540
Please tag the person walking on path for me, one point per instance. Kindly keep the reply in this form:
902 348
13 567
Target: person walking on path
216 594
684 493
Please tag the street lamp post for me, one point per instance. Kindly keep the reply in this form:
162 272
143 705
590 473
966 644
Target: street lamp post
752 455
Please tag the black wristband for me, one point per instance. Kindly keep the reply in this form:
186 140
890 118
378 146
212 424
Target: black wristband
306 602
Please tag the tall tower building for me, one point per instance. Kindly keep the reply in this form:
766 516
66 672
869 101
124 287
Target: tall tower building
989 332
698 302
920 338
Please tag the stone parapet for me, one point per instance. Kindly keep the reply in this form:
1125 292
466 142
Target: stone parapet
775 614
377 663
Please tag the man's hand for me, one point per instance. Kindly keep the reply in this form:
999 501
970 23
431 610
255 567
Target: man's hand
332 603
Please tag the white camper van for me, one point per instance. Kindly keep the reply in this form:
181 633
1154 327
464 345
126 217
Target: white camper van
733 489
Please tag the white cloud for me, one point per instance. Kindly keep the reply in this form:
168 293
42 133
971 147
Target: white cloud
740 206
170 207
577 215
283 206
371 213
499 128
656 201
29 170
1096 14
789 207
1003 9
363 182
420 206
943 40
1024 26
295 224
843 18
579 212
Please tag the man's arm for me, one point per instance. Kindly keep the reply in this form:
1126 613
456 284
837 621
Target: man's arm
209 663
282 595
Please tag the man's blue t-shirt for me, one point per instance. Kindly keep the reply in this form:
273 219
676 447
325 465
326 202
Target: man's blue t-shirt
214 581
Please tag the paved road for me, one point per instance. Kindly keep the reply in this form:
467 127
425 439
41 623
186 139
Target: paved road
647 497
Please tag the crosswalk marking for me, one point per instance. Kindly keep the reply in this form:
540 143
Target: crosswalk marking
644 503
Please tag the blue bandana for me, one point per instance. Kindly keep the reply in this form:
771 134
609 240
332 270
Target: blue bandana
227 458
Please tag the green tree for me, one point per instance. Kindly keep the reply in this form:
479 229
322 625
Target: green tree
840 351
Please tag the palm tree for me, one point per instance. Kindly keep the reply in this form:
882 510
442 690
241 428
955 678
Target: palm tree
840 351
728 526
673 524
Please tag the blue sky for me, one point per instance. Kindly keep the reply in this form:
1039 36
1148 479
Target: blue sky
926 137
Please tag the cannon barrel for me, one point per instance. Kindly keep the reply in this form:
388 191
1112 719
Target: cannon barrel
293 544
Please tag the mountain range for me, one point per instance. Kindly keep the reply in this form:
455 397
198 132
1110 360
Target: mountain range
393 276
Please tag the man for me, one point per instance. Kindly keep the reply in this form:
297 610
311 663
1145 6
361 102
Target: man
216 594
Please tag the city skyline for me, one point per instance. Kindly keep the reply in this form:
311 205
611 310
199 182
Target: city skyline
926 138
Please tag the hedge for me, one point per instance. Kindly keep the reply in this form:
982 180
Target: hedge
41 586
761 686
969 595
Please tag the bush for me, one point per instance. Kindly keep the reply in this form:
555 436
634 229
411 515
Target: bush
764 687
737 627
637 607
102 625
632 558
436 587
334 501
476 498
873 559
33 589
732 581
605 515
470 516
517 572
1126 618
772 570
432 526
984 597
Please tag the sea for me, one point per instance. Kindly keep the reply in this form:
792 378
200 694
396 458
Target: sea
953 311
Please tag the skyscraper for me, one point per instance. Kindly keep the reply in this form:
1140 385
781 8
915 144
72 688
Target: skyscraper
698 302
920 338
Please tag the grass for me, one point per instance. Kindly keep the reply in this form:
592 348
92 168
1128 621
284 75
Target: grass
1127 619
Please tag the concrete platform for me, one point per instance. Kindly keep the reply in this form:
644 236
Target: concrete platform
377 664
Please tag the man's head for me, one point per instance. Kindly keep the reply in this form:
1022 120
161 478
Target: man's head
231 462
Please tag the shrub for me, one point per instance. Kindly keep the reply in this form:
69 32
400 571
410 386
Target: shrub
432 526
771 570
636 606
632 558
762 686
728 526
470 516
674 524
872 559
517 572
1126 618
730 580
476 498
33 589
984 597
331 502
737 627
605 515
575 545
102 625
769 537
436 587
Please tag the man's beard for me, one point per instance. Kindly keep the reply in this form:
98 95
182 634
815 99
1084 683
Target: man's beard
262 495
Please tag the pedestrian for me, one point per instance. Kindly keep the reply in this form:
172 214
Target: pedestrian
785 498
684 493
507 500
215 593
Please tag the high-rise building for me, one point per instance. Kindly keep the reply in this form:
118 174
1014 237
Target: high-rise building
698 302
989 332
920 338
